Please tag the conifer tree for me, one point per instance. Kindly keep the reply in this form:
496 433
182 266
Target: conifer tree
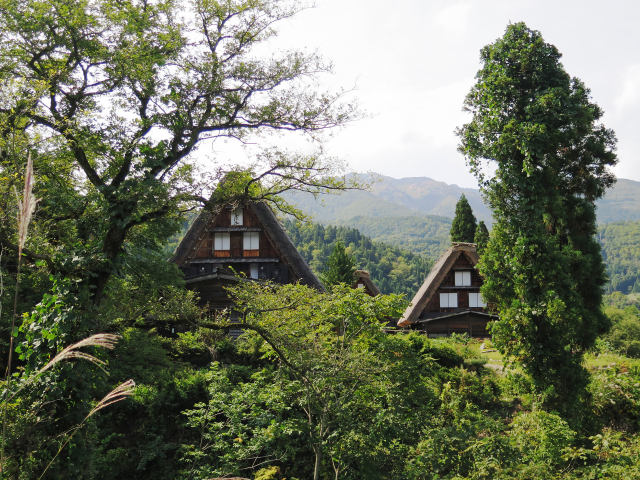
463 227
481 237
340 267
542 266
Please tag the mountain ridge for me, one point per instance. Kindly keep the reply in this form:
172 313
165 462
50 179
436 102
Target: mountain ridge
424 196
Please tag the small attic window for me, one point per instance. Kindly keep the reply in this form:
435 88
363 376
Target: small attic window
251 244
221 244
236 217
448 300
476 300
463 278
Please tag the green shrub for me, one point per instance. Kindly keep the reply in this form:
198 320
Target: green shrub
616 398
633 349
624 336
541 437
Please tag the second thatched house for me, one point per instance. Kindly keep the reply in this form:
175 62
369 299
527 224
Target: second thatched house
449 300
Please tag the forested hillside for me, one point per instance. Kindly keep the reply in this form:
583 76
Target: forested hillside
423 235
392 269
414 214
621 252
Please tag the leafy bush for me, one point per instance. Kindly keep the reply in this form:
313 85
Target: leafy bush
541 437
616 398
459 439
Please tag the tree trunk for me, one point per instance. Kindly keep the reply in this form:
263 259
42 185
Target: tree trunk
111 249
317 449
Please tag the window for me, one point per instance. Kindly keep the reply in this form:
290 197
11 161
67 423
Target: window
221 242
476 300
463 279
253 271
251 243
448 300
236 216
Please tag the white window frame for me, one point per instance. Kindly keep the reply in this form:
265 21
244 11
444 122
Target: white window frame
221 241
449 300
463 278
251 241
237 217
476 300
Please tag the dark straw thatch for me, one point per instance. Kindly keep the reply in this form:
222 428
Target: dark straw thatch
271 227
435 278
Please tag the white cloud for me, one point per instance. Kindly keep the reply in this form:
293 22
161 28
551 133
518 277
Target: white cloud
629 96
454 18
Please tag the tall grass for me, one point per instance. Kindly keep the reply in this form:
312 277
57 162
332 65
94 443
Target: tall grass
26 208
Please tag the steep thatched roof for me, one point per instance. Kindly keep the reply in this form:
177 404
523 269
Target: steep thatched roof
271 227
190 240
363 277
283 243
435 278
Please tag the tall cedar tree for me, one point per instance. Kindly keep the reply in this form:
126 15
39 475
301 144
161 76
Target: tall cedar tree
340 267
481 237
542 267
115 97
463 227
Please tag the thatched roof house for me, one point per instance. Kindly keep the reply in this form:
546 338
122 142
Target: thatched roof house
244 238
449 300
362 279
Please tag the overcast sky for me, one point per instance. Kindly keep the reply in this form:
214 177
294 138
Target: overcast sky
413 61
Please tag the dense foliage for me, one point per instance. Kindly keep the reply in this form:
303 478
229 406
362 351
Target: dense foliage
624 336
392 269
542 267
463 226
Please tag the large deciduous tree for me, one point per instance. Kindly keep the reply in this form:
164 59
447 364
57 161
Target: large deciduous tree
542 267
463 227
113 97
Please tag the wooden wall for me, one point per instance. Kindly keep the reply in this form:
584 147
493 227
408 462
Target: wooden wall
204 248
470 324
448 286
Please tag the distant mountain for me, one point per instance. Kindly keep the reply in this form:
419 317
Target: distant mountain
425 197
620 203
390 197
